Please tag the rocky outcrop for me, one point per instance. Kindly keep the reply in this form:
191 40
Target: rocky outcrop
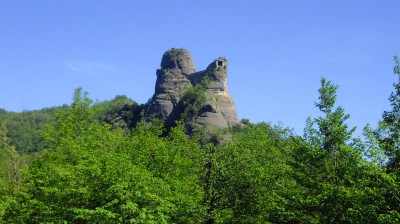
177 76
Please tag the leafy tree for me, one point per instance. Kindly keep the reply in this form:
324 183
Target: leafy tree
120 112
387 139
340 188
389 128
91 173
176 159
11 164
247 180
372 149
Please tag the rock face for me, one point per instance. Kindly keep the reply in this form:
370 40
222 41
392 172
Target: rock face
177 76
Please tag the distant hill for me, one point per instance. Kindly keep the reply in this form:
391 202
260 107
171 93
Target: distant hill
24 127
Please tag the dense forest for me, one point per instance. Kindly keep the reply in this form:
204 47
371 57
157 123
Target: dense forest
103 162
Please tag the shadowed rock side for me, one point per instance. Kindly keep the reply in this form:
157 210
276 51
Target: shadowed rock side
176 76
171 84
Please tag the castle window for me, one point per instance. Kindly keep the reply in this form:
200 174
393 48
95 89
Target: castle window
220 63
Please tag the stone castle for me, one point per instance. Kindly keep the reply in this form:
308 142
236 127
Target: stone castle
176 76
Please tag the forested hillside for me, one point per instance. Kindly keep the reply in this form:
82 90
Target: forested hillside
105 163
24 129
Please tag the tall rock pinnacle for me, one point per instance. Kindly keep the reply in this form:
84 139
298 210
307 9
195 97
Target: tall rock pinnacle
177 76
178 59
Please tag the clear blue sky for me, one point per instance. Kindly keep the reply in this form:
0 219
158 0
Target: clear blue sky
277 52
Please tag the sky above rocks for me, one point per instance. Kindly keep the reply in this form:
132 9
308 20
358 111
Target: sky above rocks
277 52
